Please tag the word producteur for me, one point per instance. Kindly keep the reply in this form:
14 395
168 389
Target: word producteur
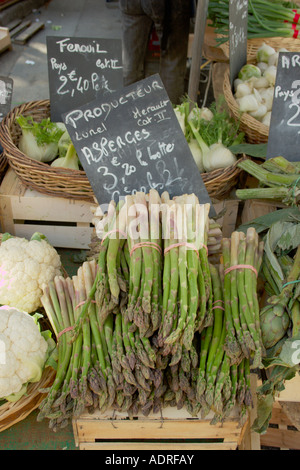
104 109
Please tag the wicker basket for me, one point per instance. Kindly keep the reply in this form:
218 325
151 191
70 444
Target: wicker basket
13 412
291 44
220 182
255 131
38 175
3 166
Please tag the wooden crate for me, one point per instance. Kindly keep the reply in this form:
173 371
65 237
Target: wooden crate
281 433
65 222
171 429
289 400
174 430
5 41
254 208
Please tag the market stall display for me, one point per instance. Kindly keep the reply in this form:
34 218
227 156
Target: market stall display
168 319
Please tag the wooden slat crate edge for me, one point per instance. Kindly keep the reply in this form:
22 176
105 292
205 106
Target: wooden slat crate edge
5 41
254 208
280 437
65 222
88 431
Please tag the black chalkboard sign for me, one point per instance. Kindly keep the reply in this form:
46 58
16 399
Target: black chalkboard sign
238 26
81 70
133 142
284 134
6 90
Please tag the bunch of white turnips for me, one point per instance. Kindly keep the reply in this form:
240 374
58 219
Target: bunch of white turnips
25 267
254 86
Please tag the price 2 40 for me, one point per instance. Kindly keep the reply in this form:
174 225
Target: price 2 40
72 84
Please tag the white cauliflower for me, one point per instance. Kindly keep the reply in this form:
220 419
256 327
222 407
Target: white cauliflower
23 352
25 266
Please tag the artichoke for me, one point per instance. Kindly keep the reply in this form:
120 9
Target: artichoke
273 326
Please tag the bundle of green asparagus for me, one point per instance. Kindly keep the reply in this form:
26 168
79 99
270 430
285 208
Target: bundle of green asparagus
149 324
242 257
280 305
221 382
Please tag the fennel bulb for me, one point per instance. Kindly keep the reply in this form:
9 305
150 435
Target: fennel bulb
70 161
267 96
200 113
267 119
181 112
261 82
197 154
215 156
260 113
42 153
243 89
236 83
273 59
248 71
39 140
270 74
181 119
63 144
248 103
218 157
264 52
262 66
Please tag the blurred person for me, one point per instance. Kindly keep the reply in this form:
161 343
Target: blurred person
171 20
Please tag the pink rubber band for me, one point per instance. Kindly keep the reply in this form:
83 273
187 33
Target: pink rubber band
241 266
175 245
146 244
218 306
69 328
113 231
188 245
83 302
